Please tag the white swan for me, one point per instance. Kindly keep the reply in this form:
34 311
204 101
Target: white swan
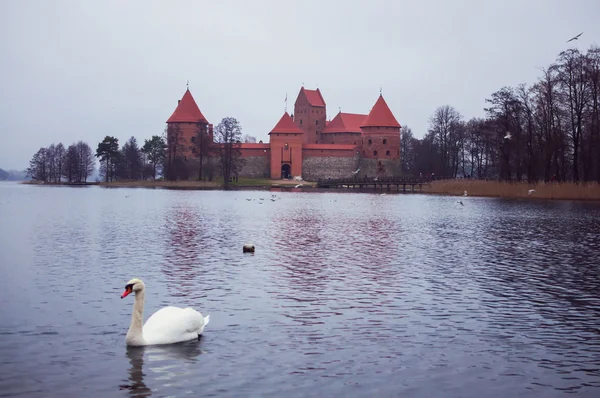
166 326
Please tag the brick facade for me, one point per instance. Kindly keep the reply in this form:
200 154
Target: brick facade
305 144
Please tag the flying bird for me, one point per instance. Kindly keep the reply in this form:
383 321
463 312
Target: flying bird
575 38
508 136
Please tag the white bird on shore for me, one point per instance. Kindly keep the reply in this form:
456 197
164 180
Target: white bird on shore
465 194
531 191
298 186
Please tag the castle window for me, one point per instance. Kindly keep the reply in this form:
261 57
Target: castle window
374 153
300 121
194 138
387 153
317 122
384 141
286 146
370 142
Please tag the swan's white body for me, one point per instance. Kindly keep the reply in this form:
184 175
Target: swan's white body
166 326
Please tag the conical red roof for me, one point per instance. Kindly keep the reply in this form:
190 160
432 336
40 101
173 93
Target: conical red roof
380 116
187 111
286 125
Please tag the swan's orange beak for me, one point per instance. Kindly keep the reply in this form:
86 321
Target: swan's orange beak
126 292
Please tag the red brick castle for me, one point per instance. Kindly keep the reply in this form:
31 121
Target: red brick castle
306 144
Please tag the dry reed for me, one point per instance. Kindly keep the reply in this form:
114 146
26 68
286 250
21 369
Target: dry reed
560 191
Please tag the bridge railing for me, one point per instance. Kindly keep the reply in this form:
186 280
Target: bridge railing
374 180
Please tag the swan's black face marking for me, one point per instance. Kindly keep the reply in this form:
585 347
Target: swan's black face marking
128 290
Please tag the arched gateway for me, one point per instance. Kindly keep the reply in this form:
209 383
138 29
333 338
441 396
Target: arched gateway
286 171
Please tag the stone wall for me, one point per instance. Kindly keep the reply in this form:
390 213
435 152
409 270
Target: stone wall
315 167
255 166
371 167
251 166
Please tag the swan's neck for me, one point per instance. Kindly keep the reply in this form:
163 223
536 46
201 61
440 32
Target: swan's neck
134 334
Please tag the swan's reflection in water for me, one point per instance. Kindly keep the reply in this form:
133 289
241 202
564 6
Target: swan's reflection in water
169 366
136 387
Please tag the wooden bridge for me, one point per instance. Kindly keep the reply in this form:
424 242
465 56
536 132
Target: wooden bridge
413 183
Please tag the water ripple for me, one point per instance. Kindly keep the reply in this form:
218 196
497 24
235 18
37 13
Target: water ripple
346 294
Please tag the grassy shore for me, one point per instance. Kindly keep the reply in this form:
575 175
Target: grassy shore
191 184
216 184
564 191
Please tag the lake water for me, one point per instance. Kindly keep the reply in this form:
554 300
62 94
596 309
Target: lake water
347 295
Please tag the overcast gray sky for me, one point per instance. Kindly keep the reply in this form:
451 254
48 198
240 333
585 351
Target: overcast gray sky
80 70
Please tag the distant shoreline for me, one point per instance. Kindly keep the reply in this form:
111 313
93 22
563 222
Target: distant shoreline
191 184
477 188
516 190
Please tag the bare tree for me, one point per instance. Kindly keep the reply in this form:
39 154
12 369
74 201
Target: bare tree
175 163
59 155
444 127
228 136
85 161
406 150
38 166
201 143
575 85
593 73
248 139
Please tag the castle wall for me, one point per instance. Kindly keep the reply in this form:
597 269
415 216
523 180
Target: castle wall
255 160
378 167
381 143
341 138
255 167
328 164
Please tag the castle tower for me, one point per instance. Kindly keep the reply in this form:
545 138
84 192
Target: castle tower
380 133
310 114
286 148
183 125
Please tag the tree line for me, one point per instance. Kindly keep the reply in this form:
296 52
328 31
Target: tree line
57 163
132 162
548 130
76 163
